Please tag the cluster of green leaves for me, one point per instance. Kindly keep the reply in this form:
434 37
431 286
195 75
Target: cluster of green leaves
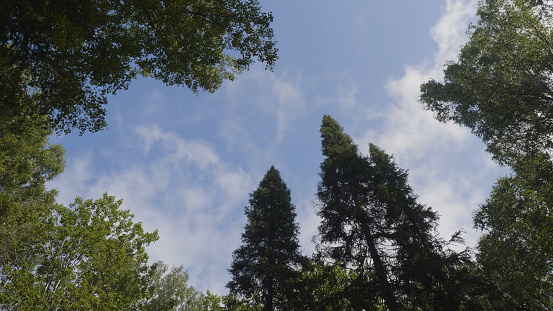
86 256
169 291
76 52
516 250
501 87
326 286
27 160
89 255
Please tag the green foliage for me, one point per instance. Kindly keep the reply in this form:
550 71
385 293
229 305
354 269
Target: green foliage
170 291
76 52
263 267
233 303
501 85
516 249
27 160
372 224
326 287
86 256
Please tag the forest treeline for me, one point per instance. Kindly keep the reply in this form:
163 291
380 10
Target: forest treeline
377 247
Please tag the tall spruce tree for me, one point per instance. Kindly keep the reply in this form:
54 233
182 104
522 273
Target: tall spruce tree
372 224
263 267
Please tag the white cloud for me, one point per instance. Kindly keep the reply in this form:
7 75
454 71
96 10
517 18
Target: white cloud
450 30
291 104
309 224
73 182
347 97
196 152
409 130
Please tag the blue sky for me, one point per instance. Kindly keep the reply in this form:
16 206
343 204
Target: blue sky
185 164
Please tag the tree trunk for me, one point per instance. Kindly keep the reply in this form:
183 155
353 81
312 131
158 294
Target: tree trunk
381 272
269 299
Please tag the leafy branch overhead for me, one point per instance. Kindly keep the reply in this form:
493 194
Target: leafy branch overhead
501 86
74 53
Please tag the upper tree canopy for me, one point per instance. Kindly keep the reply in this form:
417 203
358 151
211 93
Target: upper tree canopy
264 265
75 52
501 86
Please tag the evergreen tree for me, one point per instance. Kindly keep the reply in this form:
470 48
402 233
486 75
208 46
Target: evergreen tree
372 223
263 267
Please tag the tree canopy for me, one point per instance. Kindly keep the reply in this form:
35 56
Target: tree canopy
87 256
27 162
501 86
74 53
170 291
515 250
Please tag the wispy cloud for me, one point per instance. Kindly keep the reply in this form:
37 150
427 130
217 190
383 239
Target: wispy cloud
409 130
276 96
450 31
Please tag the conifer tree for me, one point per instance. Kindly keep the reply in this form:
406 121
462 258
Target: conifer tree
264 265
372 223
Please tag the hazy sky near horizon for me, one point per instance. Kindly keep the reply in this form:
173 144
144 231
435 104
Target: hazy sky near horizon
185 164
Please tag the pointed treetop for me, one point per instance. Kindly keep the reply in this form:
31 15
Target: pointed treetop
384 164
272 173
334 139
271 185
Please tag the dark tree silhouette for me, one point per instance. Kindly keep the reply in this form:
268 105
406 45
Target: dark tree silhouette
372 224
264 266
